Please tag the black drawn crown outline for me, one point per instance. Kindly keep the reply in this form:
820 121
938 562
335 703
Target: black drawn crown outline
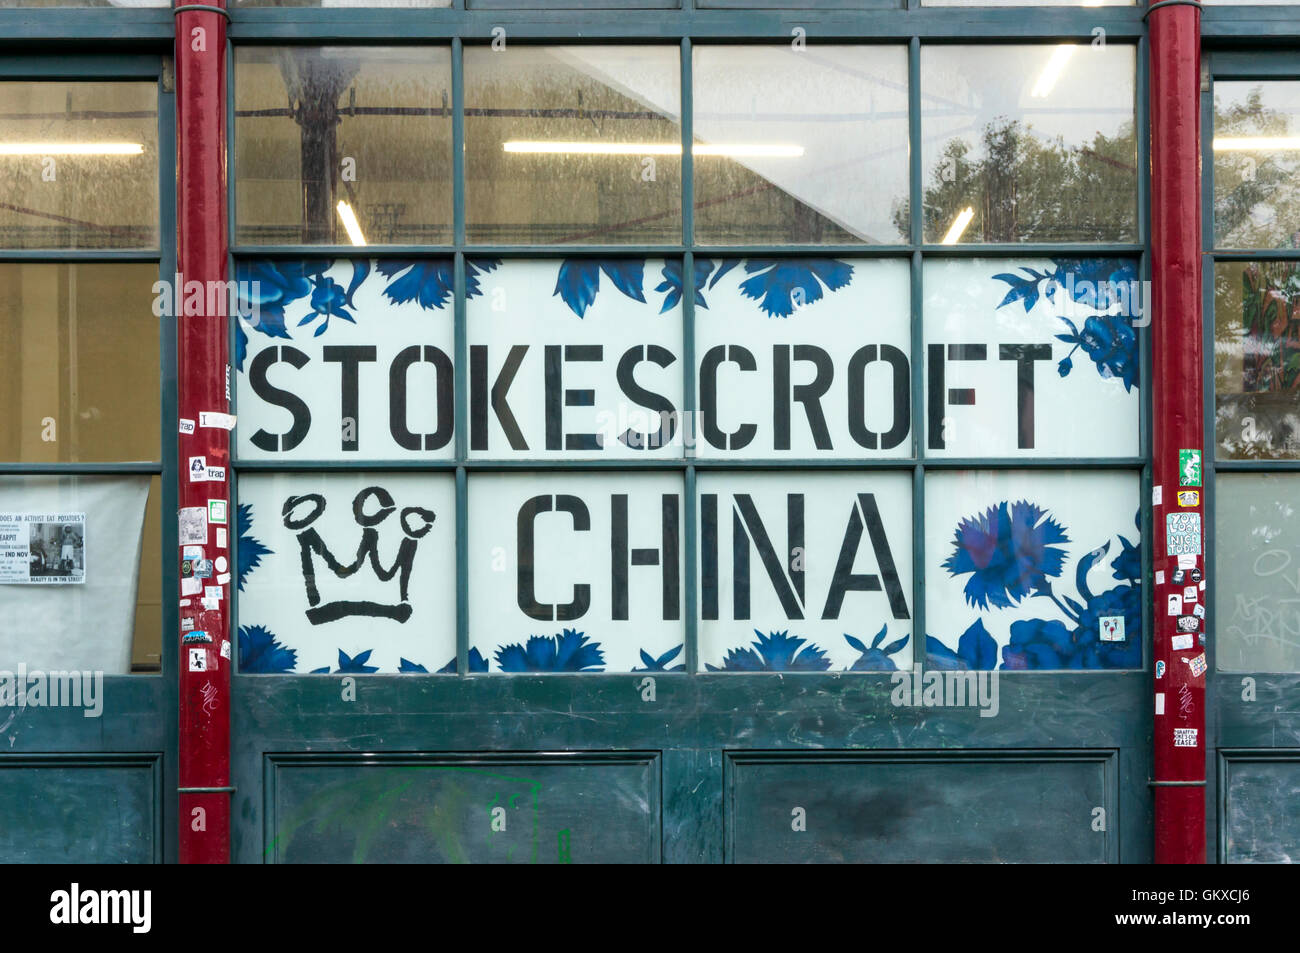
311 547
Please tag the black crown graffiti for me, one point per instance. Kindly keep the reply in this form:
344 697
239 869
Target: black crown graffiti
311 546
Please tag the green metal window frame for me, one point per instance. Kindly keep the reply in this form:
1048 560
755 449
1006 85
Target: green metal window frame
915 252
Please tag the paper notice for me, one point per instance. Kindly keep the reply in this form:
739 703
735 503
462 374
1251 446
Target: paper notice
42 548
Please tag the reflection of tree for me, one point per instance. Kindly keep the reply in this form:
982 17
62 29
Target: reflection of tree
1256 193
1024 188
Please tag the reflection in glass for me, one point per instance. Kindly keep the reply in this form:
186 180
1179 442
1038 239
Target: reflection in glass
80 596
1257 547
573 144
342 145
78 165
1029 143
81 351
800 146
1257 165
1257 360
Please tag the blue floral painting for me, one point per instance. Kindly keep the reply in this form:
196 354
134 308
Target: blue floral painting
1015 552
570 651
783 652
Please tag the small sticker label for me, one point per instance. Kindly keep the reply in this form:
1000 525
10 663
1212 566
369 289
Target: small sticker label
198 660
1184 737
1198 610
1187 562
193 522
223 579
1179 577
216 420
1196 575
216 474
186 624
1183 534
202 568
1201 586
212 592
198 469
1160 577
1112 628
1160 703
1182 642
1189 468
187 426
1160 669
187 568
191 587
1189 497
192 552
225 648
1189 623
216 511
197 637
221 538
1175 604
1197 664
221 564
1157 495
1189 594
211 604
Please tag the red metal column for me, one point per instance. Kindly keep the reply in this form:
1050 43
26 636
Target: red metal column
203 382
1178 411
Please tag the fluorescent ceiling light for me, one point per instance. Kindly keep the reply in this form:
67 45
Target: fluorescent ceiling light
71 149
1052 71
958 226
350 223
742 150
1255 143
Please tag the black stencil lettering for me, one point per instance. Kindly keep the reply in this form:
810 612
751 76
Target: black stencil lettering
291 402
397 399
349 358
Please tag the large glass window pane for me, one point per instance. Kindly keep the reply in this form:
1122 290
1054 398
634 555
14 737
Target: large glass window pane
1257 555
803 146
80 344
345 572
339 360
1029 143
1257 164
573 144
1257 359
1033 570
80 573
1032 357
808 572
802 358
343 145
576 572
78 165
578 358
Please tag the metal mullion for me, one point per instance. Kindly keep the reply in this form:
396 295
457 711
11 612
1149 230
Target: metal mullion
75 468
689 429
80 256
1250 254
341 251
458 142
531 252
1036 250
351 465
1255 466
462 572
918 566
692 659
916 312
792 251
1031 463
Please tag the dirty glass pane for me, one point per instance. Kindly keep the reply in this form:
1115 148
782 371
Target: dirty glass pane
804 146
1033 570
1257 555
1029 143
1033 3
81 347
342 145
78 165
573 144
1257 360
1257 164
342 3
80 573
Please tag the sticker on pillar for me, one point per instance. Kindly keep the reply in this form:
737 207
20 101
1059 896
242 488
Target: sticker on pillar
1189 468
1181 643
1176 604
216 511
1157 495
1183 534
1185 737
346 572
1189 623
1196 576
347 359
1198 665
193 525
1189 498
576 572
1198 611
1160 669
1160 703
803 358
577 359
200 638
1187 561
186 426
198 469
1032 358
1038 571
1189 594
805 572
198 659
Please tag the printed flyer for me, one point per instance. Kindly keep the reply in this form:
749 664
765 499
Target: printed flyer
42 548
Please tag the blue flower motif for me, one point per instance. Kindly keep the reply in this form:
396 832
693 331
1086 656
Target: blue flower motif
579 280
783 285
976 651
347 664
406 665
260 653
1038 644
660 664
1097 283
1128 564
876 659
327 299
267 287
1111 342
477 663
672 283
249 549
777 652
1009 553
571 651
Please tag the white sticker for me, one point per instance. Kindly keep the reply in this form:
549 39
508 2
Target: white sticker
187 624
1157 495
1187 561
198 469
185 602
1201 585
1189 594
1160 703
1182 642
1198 610
225 648
1184 737
212 592
198 660
216 420
187 426
1175 604
216 511
1160 577
216 474
193 525
223 578
191 586
221 563
211 604
1111 628
1183 535
221 538
192 552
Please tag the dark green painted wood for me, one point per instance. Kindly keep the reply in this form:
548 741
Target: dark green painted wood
1261 806
80 809
918 807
